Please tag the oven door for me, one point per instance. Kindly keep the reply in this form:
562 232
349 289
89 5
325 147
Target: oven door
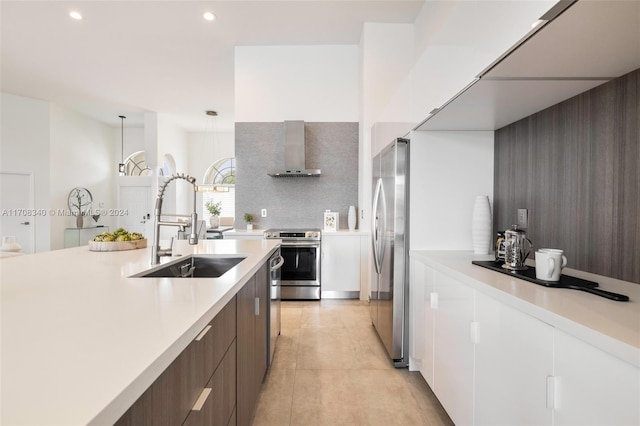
301 264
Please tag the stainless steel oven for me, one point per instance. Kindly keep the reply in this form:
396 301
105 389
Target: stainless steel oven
300 273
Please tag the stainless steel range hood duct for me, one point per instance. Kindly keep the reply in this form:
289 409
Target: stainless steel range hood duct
294 152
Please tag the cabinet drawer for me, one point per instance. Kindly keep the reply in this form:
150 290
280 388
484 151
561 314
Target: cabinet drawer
219 405
212 343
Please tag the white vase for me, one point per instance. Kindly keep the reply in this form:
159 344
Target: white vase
214 221
481 225
351 218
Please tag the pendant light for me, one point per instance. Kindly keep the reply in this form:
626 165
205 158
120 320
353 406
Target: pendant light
209 187
121 169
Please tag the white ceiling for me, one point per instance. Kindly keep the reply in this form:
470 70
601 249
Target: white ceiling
128 57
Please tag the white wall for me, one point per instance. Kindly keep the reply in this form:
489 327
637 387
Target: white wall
81 155
207 148
448 170
311 83
24 147
63 150
173 140
386 52
133 141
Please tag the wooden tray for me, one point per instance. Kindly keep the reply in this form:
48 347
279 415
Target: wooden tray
117 245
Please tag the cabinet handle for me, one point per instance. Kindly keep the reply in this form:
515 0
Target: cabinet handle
434 300
256 306
201 399
202 333
474 332
553 392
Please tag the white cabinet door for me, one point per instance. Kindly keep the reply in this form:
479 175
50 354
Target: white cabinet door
423 319
340 274
514 357
454 349
594 388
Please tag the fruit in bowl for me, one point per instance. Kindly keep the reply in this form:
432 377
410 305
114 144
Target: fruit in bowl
119 234
120 239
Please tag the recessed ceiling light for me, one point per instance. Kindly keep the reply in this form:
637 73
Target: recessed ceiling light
75 15
209 16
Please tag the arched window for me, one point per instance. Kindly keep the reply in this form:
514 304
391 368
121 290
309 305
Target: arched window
135 165
219 185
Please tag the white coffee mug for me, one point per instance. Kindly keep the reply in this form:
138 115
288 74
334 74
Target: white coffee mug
549 264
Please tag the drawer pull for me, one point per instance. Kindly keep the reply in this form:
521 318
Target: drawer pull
202 333
201 399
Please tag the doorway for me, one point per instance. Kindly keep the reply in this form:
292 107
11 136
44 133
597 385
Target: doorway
134 199
17 209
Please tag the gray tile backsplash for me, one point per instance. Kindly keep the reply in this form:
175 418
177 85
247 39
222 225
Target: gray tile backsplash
295 202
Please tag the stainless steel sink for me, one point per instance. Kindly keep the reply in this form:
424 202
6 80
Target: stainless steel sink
195 266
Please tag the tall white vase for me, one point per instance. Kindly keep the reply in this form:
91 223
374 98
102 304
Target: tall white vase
481 225
351 218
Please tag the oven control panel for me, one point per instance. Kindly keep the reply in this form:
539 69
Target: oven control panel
293 234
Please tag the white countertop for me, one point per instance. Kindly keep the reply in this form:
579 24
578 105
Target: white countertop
80 341
611 326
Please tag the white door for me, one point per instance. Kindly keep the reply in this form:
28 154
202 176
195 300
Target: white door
17 209
135 201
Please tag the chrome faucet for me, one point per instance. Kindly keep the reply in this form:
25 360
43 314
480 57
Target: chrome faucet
156 251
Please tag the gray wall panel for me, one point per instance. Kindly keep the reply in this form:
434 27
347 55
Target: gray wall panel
576 167
296 202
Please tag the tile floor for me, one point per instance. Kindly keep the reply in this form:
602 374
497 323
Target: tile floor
330 368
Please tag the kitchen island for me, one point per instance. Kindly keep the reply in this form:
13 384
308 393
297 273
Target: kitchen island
81 340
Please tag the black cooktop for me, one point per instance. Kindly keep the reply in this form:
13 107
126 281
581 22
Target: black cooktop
565 281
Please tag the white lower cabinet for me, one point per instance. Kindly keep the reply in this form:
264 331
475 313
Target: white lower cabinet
490 364
340 276
593 387
453 348
513 357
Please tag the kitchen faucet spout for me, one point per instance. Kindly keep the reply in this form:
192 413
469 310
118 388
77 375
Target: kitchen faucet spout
156 251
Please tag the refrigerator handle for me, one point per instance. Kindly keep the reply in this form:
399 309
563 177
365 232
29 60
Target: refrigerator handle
375 227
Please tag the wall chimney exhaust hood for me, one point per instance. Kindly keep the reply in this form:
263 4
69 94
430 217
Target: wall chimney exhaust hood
294 152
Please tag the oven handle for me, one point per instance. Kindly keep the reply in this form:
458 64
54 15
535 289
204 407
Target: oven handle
300 244
277 266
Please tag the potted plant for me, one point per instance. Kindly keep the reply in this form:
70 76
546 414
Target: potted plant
248 217
214 209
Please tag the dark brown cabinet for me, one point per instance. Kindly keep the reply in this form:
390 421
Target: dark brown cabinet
170 399
252 343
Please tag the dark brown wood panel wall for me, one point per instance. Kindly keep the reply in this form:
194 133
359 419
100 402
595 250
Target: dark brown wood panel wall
576 167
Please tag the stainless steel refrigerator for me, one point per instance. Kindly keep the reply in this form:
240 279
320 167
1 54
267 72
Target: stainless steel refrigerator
389 298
